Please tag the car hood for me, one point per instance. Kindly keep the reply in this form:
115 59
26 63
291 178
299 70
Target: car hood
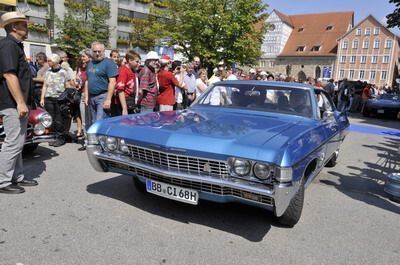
195 132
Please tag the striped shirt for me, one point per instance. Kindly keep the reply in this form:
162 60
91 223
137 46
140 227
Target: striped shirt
148 86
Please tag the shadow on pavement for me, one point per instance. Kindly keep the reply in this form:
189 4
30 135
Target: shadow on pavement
248 222
370 180
377 121
34 164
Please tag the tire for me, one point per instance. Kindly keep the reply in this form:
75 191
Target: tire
292 214
139 186
366 113
29 148
333 161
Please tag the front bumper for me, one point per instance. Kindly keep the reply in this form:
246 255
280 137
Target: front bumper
274 197
46 138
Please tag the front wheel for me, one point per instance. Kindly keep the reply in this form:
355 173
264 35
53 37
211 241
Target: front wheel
292 214
29 148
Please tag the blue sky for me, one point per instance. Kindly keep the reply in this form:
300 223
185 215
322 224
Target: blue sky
362 8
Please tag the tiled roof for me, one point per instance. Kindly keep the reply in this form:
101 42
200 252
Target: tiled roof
283 17
311 30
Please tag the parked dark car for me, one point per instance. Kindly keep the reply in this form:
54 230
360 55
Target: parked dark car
385 105
39 130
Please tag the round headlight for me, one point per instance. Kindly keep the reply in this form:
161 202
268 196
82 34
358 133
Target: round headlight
39 129
111 143
45 119
123 147
261 171
242 167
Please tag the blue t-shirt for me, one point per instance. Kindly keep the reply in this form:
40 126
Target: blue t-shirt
98 73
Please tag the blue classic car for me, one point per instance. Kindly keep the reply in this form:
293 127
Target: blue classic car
386 104
253 142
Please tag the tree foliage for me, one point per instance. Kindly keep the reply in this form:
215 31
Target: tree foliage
215 30
393 19
143 34
83 23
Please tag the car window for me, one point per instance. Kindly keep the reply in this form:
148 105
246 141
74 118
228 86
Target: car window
294 101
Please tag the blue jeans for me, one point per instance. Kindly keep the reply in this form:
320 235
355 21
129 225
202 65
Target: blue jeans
96 107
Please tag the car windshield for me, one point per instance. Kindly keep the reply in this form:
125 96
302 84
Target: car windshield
295 101
389 97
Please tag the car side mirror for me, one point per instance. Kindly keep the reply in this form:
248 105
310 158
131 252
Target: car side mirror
327 115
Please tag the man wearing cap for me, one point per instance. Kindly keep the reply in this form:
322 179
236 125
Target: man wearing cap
15 87
167 82
148 87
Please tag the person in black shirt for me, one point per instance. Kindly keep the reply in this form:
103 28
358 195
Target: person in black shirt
15 88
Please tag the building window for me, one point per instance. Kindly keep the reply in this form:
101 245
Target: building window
328 28
377 43
345 43
358 32
362 74
301 29
363 59
374 59
372 75
388 44
367 31
343 59
383 75
386 59
341 74
300 48
351 74
355 44
376 31
316 48
366 44
353 59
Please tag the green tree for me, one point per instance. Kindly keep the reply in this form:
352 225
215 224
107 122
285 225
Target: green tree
215 30
393 19
143 34
83 23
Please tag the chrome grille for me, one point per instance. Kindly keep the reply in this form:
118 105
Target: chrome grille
199 186
181 163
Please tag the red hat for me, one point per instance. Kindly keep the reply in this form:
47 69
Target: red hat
165 59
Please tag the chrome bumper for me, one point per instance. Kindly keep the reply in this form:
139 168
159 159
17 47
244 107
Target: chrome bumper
281 193
48 138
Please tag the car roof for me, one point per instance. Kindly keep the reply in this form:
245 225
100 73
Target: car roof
266 83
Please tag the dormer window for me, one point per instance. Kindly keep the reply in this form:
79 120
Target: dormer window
315 48
300 48
301 29
329 28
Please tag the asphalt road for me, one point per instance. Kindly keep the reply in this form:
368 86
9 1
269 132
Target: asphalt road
79 216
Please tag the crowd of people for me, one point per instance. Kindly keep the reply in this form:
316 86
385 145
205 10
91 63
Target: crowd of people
102 86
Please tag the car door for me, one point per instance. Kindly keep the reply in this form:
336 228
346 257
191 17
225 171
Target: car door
329 122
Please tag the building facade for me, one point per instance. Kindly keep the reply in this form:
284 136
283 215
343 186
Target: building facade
42 29
310 50
369 52
278 32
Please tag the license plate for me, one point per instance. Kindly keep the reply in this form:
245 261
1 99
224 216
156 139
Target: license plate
172 192
381 111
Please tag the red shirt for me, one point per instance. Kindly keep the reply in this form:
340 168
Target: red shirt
167 82
366 93
126 81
